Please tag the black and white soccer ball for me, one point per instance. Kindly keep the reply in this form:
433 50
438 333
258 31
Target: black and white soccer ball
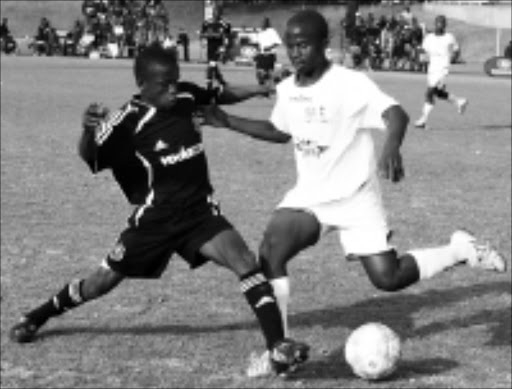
373 351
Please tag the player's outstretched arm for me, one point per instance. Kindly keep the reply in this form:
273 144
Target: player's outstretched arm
233 94
258 129
390 162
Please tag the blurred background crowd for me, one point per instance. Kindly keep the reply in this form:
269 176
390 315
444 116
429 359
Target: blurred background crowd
107 28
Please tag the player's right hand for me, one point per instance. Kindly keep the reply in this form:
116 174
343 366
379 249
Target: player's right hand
93 115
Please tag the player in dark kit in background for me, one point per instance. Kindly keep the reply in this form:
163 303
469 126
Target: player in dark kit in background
154 148
216 31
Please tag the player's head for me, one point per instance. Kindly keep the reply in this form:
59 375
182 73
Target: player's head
156 74
217 13
440 24
306 38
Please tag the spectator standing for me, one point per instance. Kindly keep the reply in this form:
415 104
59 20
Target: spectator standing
7 42
508 50
406 16
184 42
43 40
4 28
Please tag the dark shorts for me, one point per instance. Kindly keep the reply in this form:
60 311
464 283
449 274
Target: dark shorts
144 251
213 51
265 61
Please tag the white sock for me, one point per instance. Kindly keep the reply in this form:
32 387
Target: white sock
427 108
432 261
281 288
453 99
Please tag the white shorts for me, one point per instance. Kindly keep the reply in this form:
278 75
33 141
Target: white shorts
437 78
360 221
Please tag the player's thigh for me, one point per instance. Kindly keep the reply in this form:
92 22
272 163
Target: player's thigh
228 249
143 252
288 232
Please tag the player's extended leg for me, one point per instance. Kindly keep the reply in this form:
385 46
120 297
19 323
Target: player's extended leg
228 249
72 295
459 102
390 272
288 232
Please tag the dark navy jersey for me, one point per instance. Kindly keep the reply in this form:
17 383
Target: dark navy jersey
215 32
156 156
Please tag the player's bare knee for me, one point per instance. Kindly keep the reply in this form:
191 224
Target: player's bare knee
272 263
429 95
383 270
385 282
245 263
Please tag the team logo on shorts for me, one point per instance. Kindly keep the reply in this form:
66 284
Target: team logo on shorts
117 252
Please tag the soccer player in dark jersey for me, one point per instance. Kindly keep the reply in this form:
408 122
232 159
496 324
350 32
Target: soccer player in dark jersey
216 31
154 149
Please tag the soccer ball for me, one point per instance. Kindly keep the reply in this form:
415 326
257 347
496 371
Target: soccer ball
372 351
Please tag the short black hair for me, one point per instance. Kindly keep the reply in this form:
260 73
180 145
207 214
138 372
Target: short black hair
155 53
313 18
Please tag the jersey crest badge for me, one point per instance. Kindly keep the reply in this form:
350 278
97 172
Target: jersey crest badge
160 145
117 252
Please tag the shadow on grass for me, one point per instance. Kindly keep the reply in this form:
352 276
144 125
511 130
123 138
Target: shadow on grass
330 367
497 127
397 310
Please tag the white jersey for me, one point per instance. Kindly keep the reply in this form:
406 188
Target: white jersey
440 49
330 123
267 39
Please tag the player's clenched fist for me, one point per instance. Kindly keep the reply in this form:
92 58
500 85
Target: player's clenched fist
93 115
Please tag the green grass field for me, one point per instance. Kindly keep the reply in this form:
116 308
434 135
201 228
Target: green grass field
194 329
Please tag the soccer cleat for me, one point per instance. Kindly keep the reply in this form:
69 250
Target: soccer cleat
462 105
283 359
260 365
24 331
287 354
476 254
421 123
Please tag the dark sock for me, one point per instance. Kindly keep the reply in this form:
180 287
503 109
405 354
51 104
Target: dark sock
261 298
69 297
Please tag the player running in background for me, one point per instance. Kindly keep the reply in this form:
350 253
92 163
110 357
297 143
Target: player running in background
328 111
154 148
440 47
216 32
265 60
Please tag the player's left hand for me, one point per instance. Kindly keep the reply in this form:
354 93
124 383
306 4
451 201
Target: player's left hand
390 166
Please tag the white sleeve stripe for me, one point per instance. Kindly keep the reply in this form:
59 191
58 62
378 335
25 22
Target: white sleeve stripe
151 195
107 126
185 95
146 117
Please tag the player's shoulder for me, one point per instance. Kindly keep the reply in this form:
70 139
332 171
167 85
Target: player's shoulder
450 35
340 73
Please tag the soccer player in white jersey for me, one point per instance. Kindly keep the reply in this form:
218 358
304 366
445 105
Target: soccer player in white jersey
265 60
440 47
328 111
